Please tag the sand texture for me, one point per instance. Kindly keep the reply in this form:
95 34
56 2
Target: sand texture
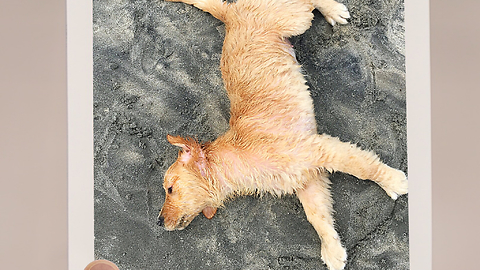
156 72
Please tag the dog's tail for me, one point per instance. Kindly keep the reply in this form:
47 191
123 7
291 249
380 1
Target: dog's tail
218 8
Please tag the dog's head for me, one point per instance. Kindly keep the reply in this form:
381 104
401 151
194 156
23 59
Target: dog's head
188 191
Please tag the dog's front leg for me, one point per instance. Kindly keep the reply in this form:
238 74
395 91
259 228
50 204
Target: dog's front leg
317 203
335 155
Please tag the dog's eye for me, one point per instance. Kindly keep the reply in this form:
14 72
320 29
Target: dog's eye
170 190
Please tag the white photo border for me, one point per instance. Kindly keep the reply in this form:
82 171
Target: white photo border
80 134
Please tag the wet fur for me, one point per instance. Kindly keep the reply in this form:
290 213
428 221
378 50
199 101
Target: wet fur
272 144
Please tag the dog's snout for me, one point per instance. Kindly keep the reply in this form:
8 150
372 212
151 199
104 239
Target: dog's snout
160 221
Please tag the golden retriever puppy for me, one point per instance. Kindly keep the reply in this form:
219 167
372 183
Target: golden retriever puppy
272 144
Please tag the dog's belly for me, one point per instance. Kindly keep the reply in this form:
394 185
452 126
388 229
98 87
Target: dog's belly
262 162
259 170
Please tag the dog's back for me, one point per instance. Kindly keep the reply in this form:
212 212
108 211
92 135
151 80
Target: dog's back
267 90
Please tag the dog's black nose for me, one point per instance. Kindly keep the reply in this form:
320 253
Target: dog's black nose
160 221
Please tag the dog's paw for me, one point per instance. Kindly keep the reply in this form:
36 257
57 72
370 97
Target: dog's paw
334 255
396 184
335 13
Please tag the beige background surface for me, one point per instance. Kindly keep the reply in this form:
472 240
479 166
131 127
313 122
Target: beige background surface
455 43
33 134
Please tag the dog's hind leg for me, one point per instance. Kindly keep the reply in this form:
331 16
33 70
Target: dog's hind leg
286 17
335 155
333 11
217 8
317 203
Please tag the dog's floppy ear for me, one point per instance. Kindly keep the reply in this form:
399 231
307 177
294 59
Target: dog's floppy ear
178 141
190 148
186 154
209 212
